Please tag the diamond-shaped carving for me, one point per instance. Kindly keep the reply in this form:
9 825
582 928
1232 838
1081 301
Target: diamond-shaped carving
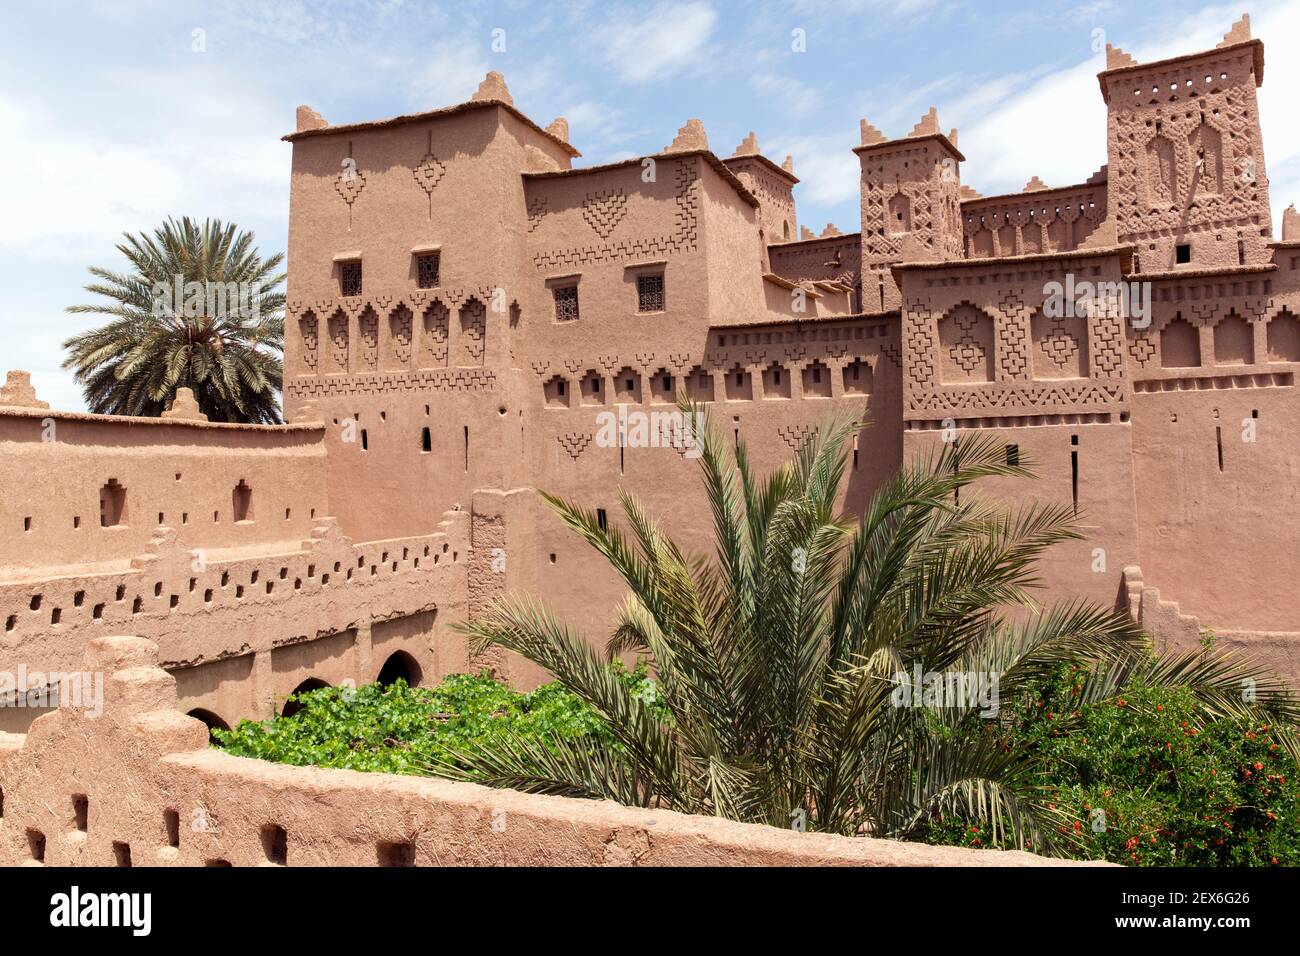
429 172
349 184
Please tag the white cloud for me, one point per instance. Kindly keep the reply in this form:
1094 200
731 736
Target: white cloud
790 94
827 168
668 39
196 149
454 71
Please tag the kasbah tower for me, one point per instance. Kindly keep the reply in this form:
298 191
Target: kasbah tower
464 303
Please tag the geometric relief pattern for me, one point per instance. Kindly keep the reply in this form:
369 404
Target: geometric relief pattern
310 336
536 210
429 172
1013 355
1142 348
1015 397
399 336
683 238
1060 346
338 327
384 383
433 341
604 210
473 328
575 443
966 344
350 182
1108 358
369 326
796 436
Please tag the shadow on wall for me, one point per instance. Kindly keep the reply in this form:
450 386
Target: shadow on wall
292 706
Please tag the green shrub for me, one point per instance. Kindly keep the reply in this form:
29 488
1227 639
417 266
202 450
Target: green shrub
1151 779
399 729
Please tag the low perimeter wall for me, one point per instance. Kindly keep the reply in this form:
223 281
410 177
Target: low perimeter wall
137 784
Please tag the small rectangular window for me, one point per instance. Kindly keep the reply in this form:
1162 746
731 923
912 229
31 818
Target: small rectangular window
426 270
350 278
650 293
1183 253
566 303
602 519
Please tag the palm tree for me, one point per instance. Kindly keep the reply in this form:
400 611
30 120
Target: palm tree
779 662
199 308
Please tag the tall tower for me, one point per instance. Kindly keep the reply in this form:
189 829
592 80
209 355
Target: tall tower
911 205
1187 183
774 187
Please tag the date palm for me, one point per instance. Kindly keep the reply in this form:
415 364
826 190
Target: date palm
776 660
224 348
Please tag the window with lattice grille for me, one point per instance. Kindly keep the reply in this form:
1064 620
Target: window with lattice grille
426 269
650 293
350 277
566 303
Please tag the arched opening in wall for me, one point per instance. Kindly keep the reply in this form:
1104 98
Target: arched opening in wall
1180 345
1060 346
776 381
663 387
740 384
338 353
966 346
112 504
816 380
627 386
242 501
403 665
1059 236
368 328
699 385
473 332
1162 170
1007 240
592 388
292 706
399 338
1234 341
308 341
982 244
556 391
1207 147
210 720
1284 338
433 336
900 213
858 378
1031 237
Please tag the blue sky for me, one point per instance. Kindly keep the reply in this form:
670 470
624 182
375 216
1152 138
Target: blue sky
113 119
